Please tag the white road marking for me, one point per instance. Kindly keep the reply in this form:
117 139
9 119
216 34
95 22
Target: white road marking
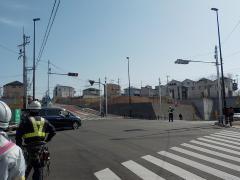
233 158
141 171
207 158
230 132
199 166
227 134
216 147
223 140
172 168
219 143
106 174
225 137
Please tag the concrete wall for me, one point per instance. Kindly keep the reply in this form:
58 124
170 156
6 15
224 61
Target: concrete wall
138 110
203 107
188 111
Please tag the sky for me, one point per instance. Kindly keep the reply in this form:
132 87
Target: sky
94 37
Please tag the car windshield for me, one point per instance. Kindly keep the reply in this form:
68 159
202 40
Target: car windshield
135 89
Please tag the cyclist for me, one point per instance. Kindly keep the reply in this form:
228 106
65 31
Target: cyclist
12 163
34 130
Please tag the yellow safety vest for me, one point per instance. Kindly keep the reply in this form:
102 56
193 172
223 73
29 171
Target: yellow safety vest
37 129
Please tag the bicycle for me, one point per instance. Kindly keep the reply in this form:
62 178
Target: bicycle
38 152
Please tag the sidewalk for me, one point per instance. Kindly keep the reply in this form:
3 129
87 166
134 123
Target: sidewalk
236 124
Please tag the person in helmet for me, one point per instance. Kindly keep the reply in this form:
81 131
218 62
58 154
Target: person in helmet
12 163
34 130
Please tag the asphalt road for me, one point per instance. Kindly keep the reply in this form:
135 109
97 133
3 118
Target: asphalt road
118 149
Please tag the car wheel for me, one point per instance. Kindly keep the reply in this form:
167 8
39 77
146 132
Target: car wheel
75 125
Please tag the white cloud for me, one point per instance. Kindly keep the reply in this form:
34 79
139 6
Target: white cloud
15 5
10 22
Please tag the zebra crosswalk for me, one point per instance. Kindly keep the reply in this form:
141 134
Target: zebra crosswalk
214 156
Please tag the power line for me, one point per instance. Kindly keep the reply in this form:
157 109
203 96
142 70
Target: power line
48 30
8 49
45 34
230 34
10 76
233 54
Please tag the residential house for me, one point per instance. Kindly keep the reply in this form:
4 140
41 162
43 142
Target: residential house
13 90
91 93
113 90
63 91
147 91
133 91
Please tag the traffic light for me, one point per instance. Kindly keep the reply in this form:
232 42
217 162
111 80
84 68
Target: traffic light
72 74
181 61
91 82
235 86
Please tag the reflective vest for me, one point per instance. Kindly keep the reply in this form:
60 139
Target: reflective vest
37 128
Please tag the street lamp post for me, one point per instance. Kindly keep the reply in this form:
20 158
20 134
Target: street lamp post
34 63
221 61
129 96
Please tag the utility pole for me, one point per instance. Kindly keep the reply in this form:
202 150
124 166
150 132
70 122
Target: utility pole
100 99
160 95
49 71
167 84
129 87
22 54
219 88
237 78
106 104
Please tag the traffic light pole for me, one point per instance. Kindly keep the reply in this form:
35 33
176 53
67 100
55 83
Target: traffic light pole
105 92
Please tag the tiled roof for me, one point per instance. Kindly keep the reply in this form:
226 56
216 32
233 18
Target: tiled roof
14 83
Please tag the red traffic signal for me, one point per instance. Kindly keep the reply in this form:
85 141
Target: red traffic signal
72 74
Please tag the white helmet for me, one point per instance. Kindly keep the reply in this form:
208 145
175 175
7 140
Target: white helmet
34 105
5 115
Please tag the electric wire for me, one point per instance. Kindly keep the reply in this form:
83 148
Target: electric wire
48 30
45 34
8 49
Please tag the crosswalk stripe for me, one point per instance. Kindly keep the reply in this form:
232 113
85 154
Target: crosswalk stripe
229 132
141 171
233 158
232 132
106 174
199 166
229 135
207 158
216 147
223 140
225 137
172 168
219 143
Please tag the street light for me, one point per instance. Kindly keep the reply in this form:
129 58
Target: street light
34 64
221 61
129 97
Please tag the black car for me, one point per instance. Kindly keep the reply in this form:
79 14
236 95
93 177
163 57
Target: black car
61 118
